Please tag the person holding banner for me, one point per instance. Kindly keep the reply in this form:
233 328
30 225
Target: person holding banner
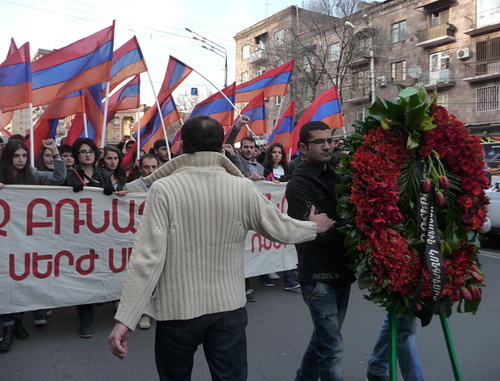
112 162
15 169
189 253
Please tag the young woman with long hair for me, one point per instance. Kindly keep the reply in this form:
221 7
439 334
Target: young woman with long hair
15 169
275 164
112 162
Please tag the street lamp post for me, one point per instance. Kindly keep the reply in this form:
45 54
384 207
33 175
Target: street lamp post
372 59
214 48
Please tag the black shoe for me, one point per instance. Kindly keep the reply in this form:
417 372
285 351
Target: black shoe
6 340
250 296
40 319
19 331
85 329
372 377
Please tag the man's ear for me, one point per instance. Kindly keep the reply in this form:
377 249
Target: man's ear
181 146
302 148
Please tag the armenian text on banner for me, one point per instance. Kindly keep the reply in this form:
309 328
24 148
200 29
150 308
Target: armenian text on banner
59 248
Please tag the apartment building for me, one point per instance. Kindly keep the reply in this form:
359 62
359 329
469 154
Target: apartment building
451 46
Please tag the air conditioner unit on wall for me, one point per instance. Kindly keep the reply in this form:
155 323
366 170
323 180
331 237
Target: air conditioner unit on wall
382 81
463 54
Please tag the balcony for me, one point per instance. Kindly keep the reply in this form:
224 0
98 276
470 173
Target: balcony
439 79
259 55
362 58
486 22
356 95
481 71
436 35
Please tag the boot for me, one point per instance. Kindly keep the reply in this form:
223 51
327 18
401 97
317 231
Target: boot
6 341
19 331
85 329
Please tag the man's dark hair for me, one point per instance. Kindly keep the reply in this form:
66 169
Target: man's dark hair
63 148
17 137
161 143
149 156
202 133
250 139
305 131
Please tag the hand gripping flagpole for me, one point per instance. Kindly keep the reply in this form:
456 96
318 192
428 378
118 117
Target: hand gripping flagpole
161 117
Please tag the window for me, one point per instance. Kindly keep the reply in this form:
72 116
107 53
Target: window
398 31
488 50
260 41
244 77
334 52
279 100
361 83
245 52
488 98
261 70
488 12
279 37
442 99
440 17
398 71
361 113
439 64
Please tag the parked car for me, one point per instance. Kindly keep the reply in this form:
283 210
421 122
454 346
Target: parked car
492 224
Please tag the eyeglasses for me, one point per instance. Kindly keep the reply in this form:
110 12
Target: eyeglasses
321 142
84 152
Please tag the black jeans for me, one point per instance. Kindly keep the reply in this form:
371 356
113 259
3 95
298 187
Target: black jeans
224 343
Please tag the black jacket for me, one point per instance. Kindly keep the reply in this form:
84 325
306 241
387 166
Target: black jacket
321 260
101 177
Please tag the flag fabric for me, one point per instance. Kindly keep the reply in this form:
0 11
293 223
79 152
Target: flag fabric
80 65
273 83
127 61
46 125
16 78
175 142
126 98
256 111
218 107
151 129
282 133
177 71
325 108
94 113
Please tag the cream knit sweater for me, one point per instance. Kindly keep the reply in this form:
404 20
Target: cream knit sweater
188 253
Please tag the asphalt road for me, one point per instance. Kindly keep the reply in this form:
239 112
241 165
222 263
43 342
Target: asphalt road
278 332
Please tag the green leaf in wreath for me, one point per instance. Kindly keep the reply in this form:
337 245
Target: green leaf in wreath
413 140
385 122
378 108
407 92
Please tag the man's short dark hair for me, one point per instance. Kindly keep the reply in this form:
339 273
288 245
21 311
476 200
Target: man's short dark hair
149 156
305 131
250 139
160 143
202 133
63 148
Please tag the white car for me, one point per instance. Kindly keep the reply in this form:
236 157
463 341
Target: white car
492 224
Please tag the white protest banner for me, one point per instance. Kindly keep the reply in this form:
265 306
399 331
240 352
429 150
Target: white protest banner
59 248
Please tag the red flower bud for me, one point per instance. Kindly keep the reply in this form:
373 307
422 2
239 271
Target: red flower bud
477 277
440 200
426 186
466 294
444 183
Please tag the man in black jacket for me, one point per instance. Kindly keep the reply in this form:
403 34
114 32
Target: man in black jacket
324 276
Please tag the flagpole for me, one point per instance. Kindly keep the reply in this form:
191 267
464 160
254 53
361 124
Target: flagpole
104 120
138 134
32 136
224 95
279 113
85 130
161 116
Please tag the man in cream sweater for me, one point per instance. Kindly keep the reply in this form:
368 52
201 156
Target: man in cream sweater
188 257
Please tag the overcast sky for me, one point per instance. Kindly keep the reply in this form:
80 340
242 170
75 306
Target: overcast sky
158 24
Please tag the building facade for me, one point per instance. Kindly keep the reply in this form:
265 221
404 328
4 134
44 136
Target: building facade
451 46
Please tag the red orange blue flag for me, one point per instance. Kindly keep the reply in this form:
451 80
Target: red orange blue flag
325 108
177 71
218 107
273 83
79 65
16 79
127 61
125 98
256 111
283 130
